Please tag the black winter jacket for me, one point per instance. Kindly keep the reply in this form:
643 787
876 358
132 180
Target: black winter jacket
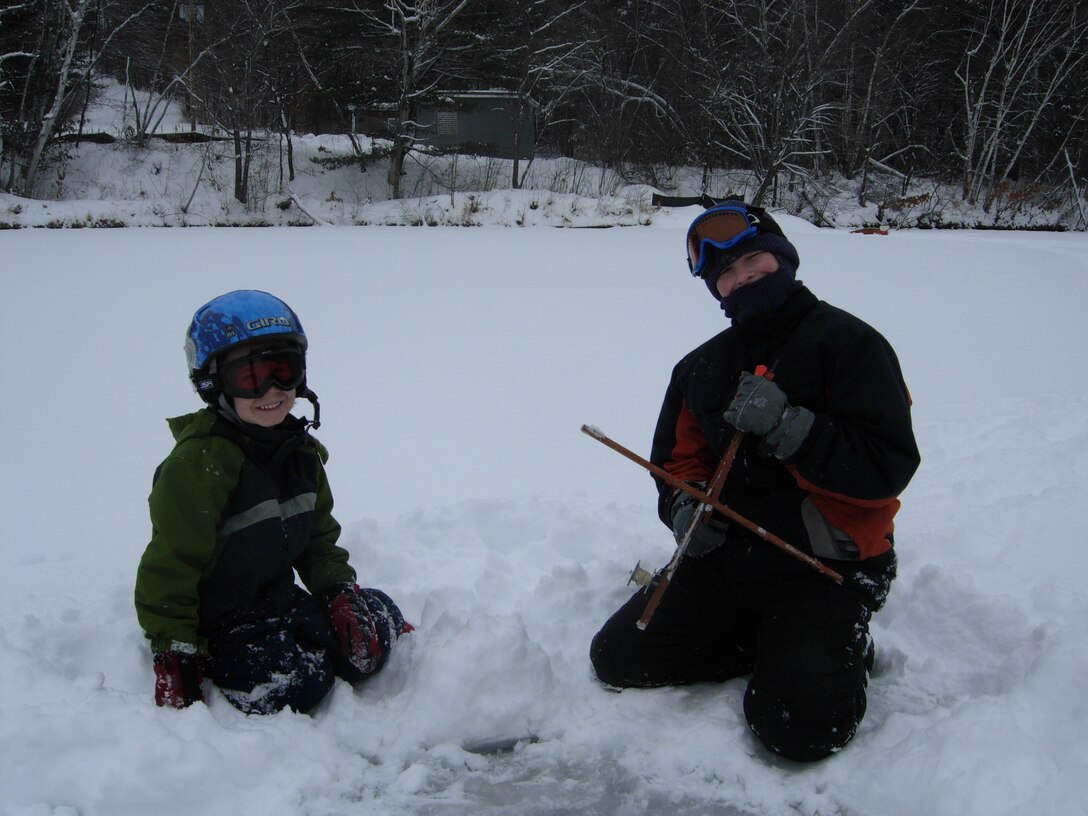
838 494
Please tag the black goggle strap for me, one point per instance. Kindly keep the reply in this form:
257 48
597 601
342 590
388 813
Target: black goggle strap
315 423
205 384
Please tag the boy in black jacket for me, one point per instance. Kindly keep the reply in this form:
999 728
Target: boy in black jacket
828 447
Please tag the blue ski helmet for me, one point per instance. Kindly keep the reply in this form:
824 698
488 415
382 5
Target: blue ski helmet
244 317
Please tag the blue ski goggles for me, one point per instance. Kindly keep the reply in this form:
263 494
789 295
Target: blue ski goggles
721 227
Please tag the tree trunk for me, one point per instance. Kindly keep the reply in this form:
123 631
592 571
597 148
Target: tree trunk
49 121
239 186
402 142
246 160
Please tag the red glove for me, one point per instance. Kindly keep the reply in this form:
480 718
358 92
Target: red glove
354 627
178 680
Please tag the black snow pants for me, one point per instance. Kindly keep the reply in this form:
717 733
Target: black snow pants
802 638
291 660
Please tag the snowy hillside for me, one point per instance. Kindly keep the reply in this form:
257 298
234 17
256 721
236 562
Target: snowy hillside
171 184
455 369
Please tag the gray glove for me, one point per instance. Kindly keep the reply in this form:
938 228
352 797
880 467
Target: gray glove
707 537
761 408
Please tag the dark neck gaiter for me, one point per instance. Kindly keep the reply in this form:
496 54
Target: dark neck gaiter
765 295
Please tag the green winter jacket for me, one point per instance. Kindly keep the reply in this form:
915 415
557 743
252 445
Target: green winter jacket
234 514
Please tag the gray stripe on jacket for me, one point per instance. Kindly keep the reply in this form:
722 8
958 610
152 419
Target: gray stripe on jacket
271 509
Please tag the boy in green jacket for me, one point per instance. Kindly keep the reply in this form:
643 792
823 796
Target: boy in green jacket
241 504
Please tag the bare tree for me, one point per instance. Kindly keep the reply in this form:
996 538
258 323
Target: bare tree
541 53
772 101
236 82
30 79
621 110
1020 55
158 57
414 37
881 86
16 53
60 70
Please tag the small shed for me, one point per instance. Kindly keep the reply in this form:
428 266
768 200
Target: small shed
501 124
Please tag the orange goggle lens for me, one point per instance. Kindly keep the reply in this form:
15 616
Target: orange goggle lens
721 227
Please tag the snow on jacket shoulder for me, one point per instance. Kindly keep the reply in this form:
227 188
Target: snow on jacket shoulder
233 515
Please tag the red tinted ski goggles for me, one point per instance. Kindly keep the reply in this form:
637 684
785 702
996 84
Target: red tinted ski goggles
251 377
722 227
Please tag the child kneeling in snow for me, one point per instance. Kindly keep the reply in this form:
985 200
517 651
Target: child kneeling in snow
240 504
825 448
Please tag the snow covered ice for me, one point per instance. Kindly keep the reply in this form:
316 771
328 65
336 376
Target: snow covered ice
455 369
